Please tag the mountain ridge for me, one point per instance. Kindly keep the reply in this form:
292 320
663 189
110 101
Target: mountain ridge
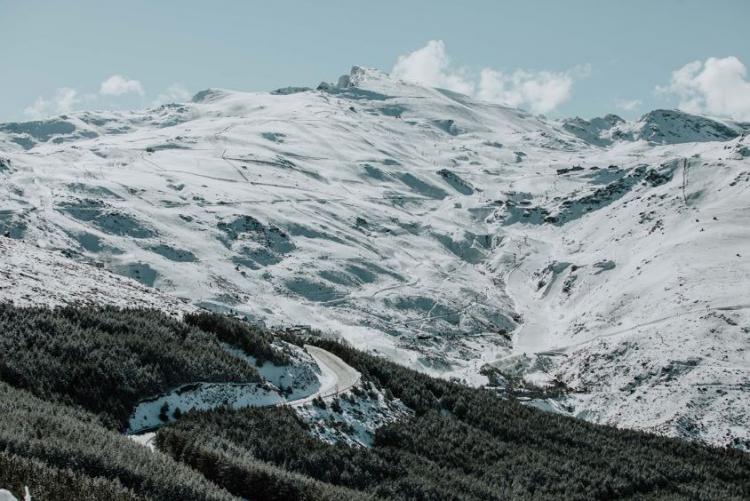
458 237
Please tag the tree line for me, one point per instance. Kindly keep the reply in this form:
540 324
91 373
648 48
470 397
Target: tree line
70 377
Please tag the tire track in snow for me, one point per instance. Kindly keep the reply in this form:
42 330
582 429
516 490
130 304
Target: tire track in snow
704 309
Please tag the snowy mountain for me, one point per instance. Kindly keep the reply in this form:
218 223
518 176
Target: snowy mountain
656 127
459 237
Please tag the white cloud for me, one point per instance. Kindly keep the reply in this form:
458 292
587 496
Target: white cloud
716 86
628 104
64 100
117 85
538 91
175 93
431 66
36 109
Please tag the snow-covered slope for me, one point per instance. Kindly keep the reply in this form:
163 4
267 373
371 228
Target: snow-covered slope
440 231
655 127
636 298
34 276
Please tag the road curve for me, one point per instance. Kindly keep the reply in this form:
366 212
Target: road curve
337 376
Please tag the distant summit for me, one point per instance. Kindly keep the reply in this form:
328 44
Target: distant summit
656 127
208 96
674 126
595 131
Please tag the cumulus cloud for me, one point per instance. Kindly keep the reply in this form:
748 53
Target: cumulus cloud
538 91
716 86
63 101
431 66
175 93
66 99
117 85
628 104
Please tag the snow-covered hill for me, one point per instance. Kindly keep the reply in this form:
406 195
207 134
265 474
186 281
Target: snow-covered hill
33 276
655 127
445 233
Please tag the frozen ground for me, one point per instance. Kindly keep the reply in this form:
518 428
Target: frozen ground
32 275
444 233
353 415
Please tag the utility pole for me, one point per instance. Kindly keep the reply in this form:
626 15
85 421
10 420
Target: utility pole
685 166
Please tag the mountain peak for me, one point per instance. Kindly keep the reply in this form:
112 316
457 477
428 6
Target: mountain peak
675 126
357 76
361 74
208 95
659 126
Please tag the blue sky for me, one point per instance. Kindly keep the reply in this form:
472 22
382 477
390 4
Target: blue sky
561 58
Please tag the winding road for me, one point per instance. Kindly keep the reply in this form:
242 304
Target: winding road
336 378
